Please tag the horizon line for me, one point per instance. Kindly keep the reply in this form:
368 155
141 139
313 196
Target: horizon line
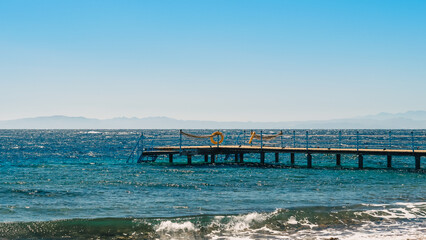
124 117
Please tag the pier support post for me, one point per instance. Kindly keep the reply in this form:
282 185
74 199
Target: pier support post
241 157
206 158
189 159
389 165
292 159
262 157
338 160
277 157
309 158
236 157
212 158
360 161
170 158
417 162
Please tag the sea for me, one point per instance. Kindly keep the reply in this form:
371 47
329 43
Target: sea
87 184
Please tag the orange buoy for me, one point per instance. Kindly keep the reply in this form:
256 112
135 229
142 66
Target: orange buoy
215 134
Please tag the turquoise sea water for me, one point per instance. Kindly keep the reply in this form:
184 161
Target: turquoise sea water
76 184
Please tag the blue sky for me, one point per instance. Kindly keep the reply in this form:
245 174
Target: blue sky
212 59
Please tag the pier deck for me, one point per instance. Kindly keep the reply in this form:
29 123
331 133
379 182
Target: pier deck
292 142
240 150
187 150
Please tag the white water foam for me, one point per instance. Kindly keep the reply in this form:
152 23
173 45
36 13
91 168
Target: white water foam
240 227
169 226
173 230
398 210
373 231
399 221
93 132
244 227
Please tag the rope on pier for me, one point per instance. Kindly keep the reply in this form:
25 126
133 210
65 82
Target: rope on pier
264 137
206 136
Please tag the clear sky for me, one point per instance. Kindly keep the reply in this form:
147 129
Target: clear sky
212 59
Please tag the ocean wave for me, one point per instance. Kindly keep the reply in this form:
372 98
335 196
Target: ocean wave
365 221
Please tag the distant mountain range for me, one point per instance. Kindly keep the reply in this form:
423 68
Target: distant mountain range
407 120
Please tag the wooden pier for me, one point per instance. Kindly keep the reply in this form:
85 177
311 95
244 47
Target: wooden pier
238 152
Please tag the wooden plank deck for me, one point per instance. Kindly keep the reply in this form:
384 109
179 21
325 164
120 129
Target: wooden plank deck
257 149
239 150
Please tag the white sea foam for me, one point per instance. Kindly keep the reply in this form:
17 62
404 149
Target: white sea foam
241 227
93 132
373 231
176 230
399 221
292 220
169 226
125 133
399 210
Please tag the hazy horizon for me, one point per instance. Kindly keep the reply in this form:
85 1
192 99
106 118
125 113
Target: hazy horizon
407 120
130 117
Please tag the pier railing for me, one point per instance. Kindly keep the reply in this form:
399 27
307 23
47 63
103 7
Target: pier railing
350 139
359 139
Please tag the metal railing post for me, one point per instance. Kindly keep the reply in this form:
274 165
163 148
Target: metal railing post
281 139
180 141
142 137
140 158
261 139
217 139
294 139
412 140
390 139
357 140
340 139
307 140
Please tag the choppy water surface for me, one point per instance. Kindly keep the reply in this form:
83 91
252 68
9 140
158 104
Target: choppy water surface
76 184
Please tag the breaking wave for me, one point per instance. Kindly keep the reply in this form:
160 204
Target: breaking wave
365 221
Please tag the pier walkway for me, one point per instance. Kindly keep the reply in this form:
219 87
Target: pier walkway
274 144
